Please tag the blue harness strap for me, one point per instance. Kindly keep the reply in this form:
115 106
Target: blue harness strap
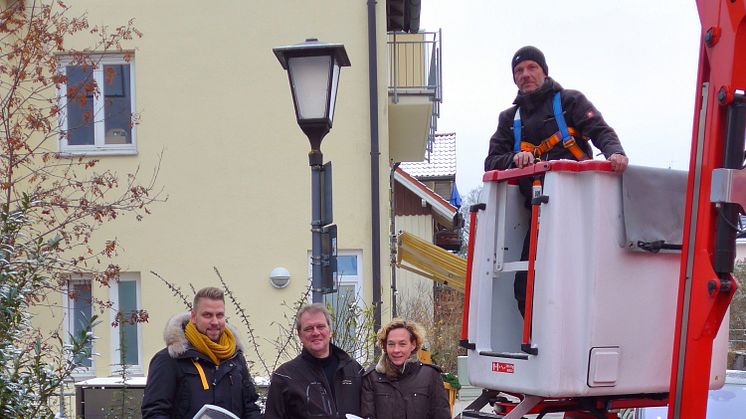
559 117
517 130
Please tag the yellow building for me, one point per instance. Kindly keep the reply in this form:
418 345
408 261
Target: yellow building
213 104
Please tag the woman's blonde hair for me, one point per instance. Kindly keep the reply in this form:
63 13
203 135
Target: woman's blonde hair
417 335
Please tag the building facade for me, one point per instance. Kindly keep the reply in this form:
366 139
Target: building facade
213 115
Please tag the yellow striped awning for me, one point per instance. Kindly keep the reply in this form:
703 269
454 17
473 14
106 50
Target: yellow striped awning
424 258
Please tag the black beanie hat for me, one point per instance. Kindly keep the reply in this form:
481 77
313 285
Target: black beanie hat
529 53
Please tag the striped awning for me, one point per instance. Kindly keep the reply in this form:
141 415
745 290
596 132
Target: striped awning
424 258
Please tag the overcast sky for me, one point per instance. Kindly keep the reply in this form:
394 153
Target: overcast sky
636 60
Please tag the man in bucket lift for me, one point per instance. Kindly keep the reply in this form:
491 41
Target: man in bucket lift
543 116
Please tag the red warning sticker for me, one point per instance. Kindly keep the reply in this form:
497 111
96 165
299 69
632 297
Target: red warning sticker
503 367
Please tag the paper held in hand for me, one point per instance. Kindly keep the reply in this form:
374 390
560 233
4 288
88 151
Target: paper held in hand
210 411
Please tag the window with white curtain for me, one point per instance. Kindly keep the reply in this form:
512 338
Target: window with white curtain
97 105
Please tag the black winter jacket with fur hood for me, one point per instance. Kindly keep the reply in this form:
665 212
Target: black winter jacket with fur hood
174 387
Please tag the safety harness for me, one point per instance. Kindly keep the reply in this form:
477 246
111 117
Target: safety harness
564 134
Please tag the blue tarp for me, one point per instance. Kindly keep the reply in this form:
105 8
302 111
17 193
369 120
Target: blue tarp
455 199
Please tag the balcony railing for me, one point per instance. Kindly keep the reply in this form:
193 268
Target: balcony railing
415 69
415 64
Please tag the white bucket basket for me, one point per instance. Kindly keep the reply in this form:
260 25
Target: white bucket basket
603 314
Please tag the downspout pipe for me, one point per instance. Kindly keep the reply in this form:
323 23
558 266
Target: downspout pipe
392 237
375 155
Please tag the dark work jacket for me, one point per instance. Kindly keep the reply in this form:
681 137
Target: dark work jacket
538 124
417 394
174 387
300 390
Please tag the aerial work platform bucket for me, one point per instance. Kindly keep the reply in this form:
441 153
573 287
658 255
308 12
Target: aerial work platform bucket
605 281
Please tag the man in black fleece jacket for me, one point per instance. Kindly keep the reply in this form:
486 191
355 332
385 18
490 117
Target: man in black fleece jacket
536 91
323 382
523 128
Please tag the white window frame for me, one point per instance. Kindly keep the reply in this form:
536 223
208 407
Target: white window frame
116 368
356 280
68 306
99 148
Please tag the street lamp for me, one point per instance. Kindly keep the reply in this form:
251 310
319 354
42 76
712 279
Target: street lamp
313 70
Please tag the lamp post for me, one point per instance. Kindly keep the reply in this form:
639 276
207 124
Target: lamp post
313 70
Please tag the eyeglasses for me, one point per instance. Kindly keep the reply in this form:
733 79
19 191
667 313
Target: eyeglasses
311 329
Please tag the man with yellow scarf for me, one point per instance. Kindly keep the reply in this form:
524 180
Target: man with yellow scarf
203 363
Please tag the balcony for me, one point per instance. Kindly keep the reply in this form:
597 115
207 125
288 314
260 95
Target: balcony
415 93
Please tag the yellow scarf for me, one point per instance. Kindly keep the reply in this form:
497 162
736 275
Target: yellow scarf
224 348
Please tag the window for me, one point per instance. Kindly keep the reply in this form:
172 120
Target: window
78 312
126 338
97 105
349 281
347 267
347 304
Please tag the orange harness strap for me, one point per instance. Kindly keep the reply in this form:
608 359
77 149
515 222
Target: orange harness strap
552 141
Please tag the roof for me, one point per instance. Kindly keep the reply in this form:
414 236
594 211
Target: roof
442 159
439 205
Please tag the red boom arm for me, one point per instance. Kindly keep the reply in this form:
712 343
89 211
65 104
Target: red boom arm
706 288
